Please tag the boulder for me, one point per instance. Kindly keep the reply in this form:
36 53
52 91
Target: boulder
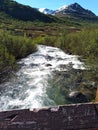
77 97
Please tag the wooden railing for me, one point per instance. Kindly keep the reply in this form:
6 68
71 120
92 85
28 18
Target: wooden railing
67 117
96 100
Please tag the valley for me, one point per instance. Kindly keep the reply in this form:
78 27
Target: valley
24 29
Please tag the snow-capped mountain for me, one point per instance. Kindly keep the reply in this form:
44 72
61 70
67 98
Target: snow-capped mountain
51 12
76 10
73 10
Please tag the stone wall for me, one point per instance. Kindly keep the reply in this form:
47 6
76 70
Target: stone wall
68 117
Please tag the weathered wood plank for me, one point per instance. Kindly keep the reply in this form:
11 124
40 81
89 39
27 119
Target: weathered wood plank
68 117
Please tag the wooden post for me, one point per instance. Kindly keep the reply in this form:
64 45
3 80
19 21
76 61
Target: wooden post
96 100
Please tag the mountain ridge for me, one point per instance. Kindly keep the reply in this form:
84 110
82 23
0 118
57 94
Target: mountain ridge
22 12
77 10
74 9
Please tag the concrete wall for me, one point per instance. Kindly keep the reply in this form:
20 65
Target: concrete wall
68 117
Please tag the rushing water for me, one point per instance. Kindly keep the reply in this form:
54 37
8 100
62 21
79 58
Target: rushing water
28 88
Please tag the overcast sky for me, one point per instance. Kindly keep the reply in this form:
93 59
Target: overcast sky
55 4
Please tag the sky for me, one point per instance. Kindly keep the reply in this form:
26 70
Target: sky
55 4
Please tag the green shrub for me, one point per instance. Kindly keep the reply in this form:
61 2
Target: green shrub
13 48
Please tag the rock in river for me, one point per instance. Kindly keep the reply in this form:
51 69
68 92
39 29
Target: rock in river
77 97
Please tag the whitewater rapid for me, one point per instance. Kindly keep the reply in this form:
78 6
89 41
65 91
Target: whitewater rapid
28 87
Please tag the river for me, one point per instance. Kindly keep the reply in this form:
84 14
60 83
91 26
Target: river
36 84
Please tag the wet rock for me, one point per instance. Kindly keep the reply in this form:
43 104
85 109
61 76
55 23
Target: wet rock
21 64
49 57
34 65
77 97
47 65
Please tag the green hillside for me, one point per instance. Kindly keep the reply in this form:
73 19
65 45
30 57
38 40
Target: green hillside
21 12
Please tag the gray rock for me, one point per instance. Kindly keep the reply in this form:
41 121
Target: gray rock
77 97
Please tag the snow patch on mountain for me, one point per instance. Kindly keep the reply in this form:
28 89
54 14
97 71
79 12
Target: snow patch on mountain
46 11
62 8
